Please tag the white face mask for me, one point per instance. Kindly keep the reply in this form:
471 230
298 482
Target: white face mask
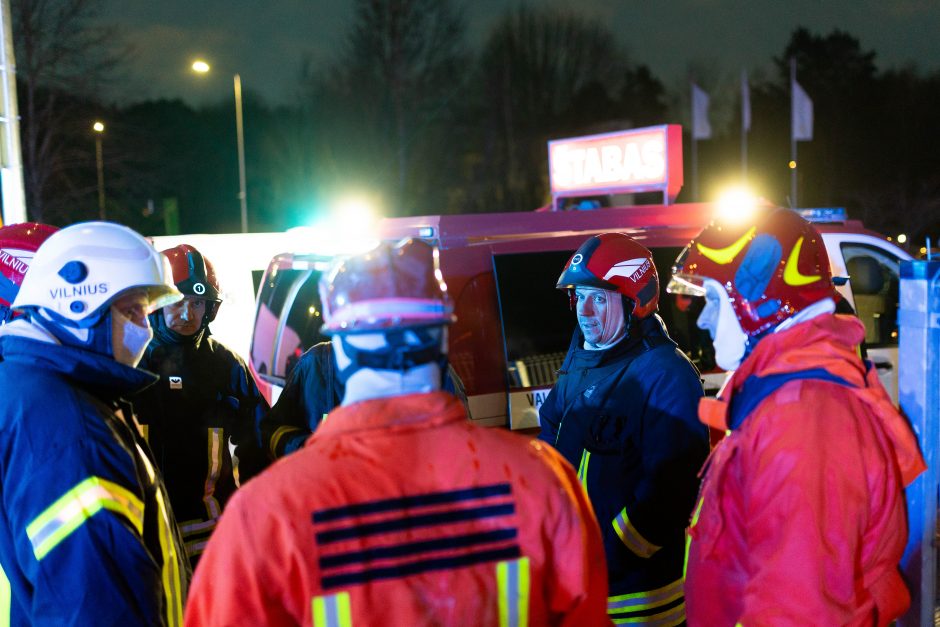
128 339
719 319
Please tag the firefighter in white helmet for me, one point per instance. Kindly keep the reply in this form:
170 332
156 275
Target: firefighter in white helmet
86 533
398 511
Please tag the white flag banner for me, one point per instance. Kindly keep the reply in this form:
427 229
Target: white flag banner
801 113
745 102
701 129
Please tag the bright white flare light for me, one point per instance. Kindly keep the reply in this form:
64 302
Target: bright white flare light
737 205
348 230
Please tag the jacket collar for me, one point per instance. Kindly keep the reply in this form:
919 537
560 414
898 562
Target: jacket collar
102 376
395 412
640 334
828 342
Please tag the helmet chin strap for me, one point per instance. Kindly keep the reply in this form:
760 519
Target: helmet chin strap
399 350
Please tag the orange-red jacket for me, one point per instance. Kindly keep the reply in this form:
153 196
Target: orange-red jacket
801 519
399 512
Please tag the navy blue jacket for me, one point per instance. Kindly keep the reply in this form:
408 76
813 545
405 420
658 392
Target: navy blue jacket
87 536
204 400
627 419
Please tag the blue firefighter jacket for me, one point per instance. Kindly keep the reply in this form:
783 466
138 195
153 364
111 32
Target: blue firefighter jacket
627 419
86 533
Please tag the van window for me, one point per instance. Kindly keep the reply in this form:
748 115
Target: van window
538 323
303 318
287 322
874 278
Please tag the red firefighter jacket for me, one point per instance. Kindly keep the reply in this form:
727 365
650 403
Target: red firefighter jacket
801 519
399 512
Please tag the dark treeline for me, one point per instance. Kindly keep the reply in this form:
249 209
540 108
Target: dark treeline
409 114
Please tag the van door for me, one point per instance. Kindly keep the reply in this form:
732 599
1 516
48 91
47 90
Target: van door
873 268
287 321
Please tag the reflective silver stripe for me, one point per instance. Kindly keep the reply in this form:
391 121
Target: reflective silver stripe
191 527
670 618
331 611
637 601
513 580
216 441
72 509
631 537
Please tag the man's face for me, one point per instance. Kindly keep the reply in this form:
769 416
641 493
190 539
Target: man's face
130 328
185 316
592 309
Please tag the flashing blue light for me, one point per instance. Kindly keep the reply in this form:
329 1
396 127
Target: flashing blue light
823 214
426 232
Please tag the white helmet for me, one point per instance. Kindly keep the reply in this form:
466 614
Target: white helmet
81 269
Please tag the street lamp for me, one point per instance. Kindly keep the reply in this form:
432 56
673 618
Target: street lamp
201 67
98 128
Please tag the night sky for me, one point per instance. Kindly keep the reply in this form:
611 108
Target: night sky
719 37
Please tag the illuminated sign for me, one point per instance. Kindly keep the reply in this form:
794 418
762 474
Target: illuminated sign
638 160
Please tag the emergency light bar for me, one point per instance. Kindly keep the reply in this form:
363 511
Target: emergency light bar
823 214
637 160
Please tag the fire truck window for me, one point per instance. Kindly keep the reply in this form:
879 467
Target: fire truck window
874 279
304 317
680 314
274 291
537 323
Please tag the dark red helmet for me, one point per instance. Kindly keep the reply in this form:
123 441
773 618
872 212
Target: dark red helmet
771 270
18 242
194 275
615 262
387 288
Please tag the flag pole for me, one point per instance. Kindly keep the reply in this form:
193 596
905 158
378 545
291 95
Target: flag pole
793 162
745 122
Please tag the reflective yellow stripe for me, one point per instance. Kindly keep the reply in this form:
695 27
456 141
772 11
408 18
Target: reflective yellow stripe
513 580
727 254
215 441
76 506
170 569
145 432
583 467
631 537
688 536
791 274
670 618
332 611
636 601
6 597
280 433
172 578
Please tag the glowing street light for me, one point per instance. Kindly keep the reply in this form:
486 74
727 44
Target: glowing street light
98 128
201 67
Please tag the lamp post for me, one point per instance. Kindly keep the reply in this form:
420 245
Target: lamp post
98 128
201 67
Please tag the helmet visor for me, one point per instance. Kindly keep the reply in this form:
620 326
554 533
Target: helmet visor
686 285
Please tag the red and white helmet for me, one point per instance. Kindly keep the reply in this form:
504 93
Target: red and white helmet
194 275
18 243
390 287
617 263
771 270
